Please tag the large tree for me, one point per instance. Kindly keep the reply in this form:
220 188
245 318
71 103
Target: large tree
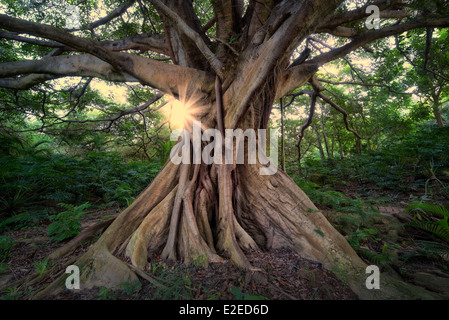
228 71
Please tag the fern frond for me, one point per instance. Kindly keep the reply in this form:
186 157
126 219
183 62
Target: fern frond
427 208
435 228
376 258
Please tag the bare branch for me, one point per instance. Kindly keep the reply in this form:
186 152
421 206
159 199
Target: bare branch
114 14
42 43
319 87
307 123
123 113
364 84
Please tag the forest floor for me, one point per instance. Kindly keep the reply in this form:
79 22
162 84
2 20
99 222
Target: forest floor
284 275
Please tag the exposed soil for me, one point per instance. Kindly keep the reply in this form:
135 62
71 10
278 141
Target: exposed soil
282 275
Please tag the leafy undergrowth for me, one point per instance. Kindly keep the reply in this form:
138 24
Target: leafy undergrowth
392 211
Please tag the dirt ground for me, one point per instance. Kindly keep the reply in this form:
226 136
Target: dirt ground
283 275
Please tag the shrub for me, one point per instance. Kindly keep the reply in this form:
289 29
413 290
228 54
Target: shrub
6 244
67 224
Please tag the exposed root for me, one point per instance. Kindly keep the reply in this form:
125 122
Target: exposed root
227 242
258 212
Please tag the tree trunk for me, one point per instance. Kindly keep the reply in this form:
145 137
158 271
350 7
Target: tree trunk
437 114
282 136
326 142
318 141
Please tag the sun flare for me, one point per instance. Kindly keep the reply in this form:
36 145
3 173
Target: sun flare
177 113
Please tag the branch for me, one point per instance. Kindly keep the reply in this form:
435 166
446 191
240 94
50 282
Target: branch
295 77
369 36
318 85
307 124
142 42
61 36
125 67
346 17
26 82
114 14
81 65
216 64
123 113
355 83
42 43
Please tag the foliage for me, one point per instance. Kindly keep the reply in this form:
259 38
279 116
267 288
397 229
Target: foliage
6 244
67 224
406 164
176 284
30 183
429 250
131 290
41 266
424 219
239 295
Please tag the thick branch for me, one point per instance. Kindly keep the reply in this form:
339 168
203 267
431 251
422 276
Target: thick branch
343 18
216 64
369 36
81 65
159 75
26 82
142 42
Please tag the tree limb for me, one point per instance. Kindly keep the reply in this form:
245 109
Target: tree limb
340 19
84 65
114 14
364 84
369 36
216 64
316 83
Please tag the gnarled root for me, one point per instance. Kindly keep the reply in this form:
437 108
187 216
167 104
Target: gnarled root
217 212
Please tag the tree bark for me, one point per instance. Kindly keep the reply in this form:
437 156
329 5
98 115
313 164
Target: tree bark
282 135
318 141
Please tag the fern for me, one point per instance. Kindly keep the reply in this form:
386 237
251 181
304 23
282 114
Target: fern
67 224
427 208
429 250
439 228
376 258
349 220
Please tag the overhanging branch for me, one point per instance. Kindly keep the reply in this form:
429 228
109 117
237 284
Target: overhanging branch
369 36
